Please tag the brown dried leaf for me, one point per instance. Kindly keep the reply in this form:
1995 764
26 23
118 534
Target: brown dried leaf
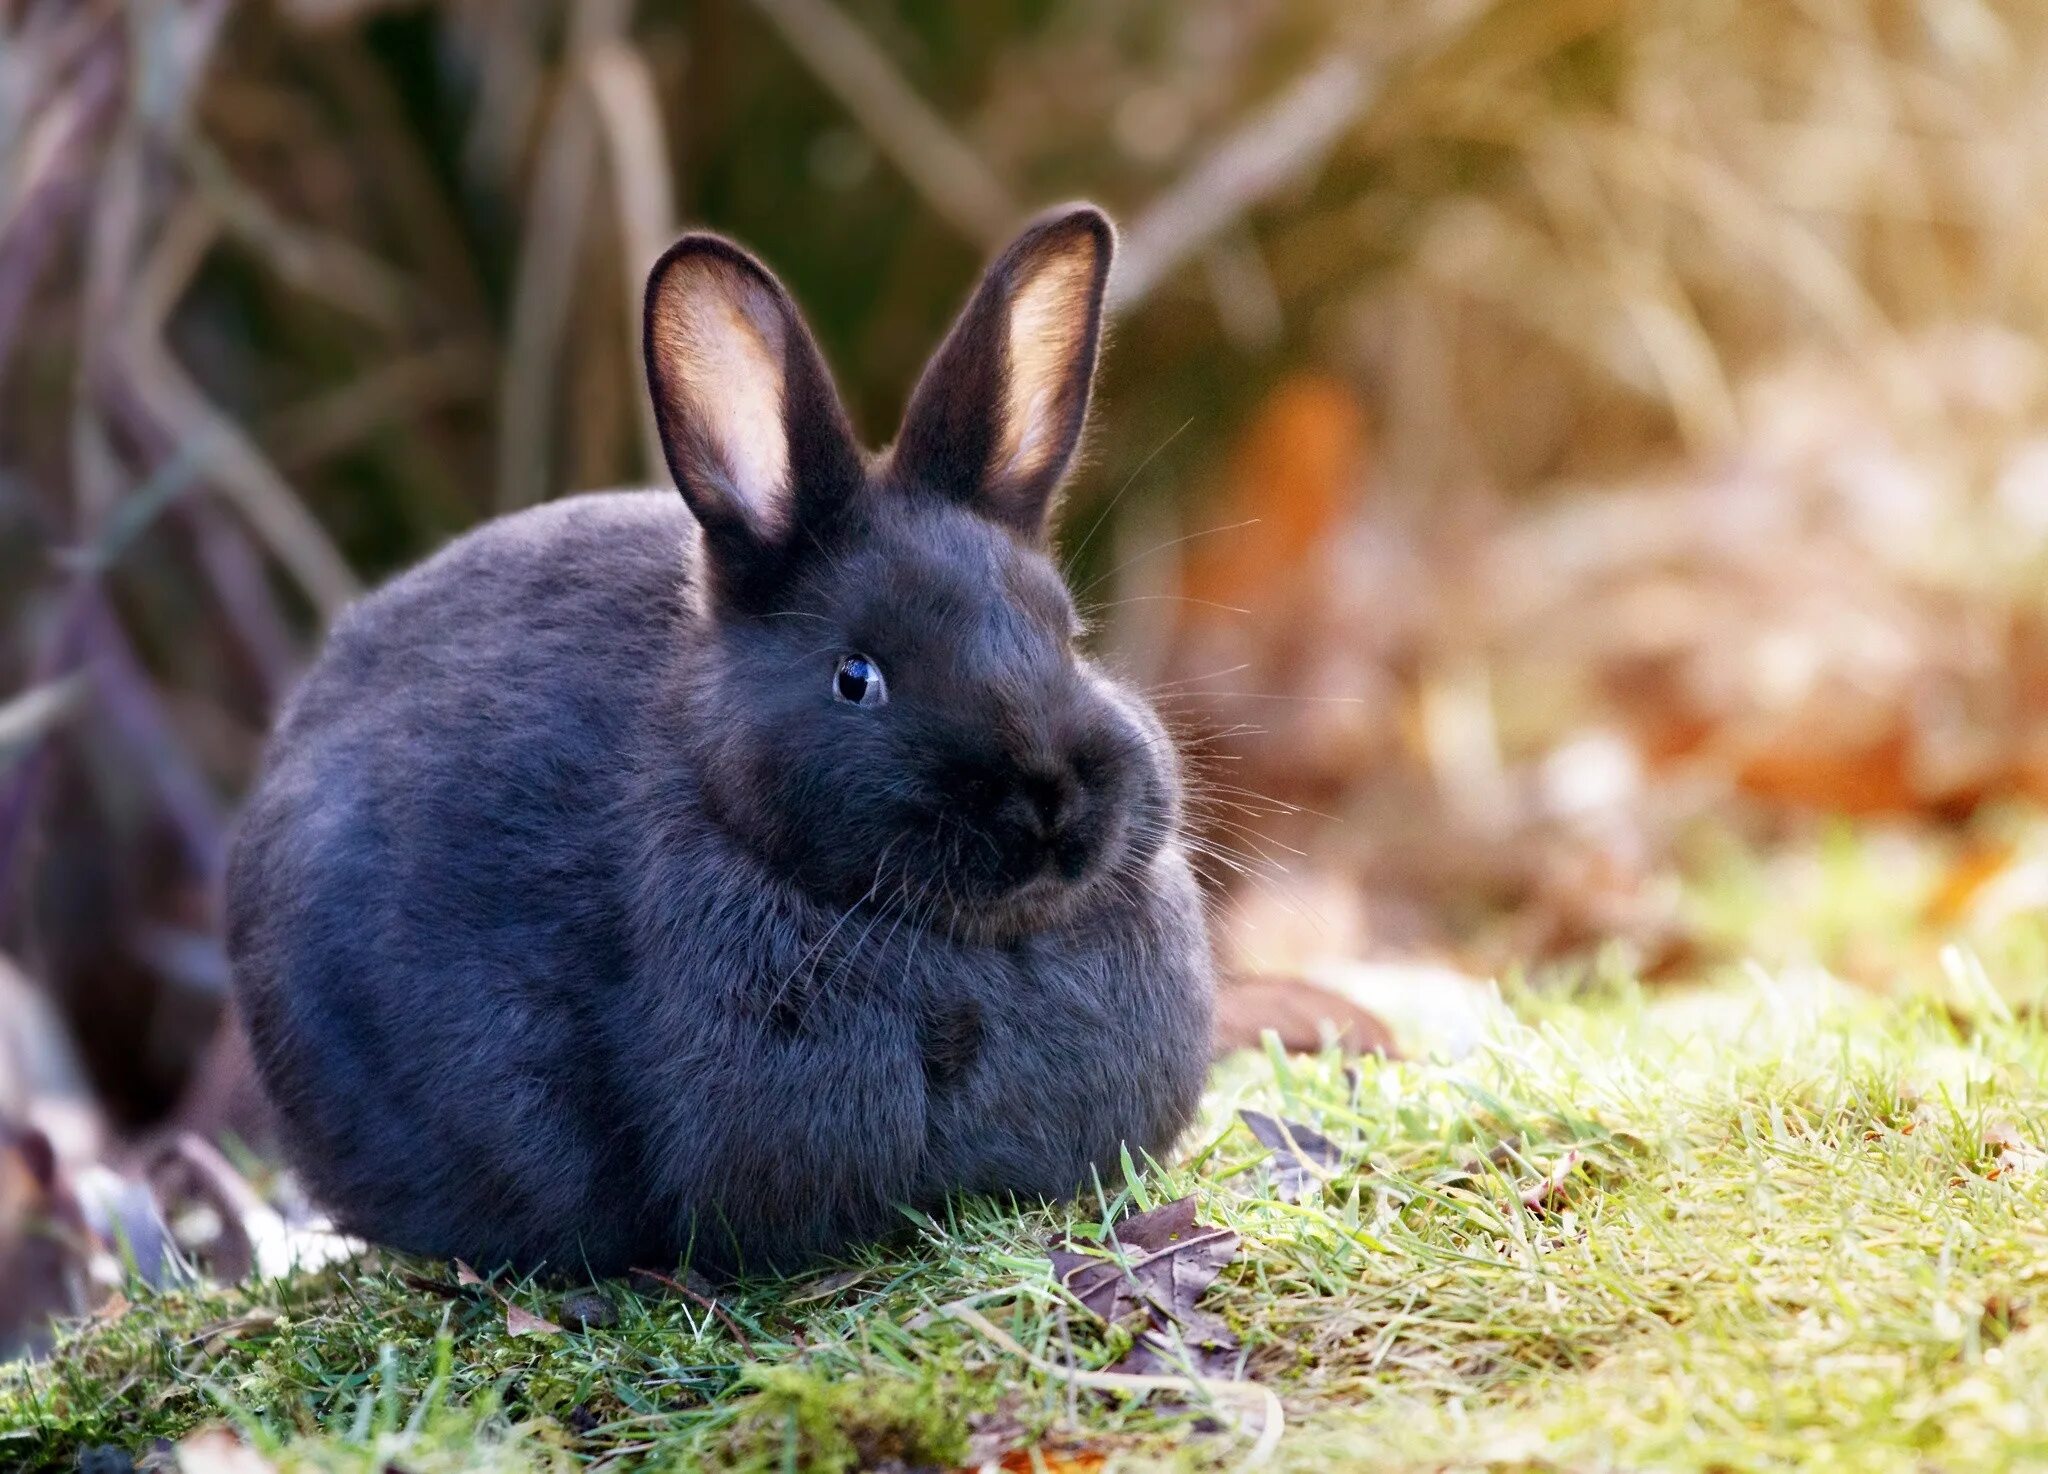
1550 1191
1303 1158
522 1322
2012 1155
219 1451
1167 1261
1207 1346
1819 771
464 1275
1301 1013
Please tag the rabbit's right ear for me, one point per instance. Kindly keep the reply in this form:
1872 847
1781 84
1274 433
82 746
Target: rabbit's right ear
752 428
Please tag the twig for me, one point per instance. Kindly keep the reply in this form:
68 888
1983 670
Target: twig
236 576
550 245
323 266
36 216
630 110
1280 145
951 176
1270 1429
724 1317
58 660
227 456
233 569
397 389
27 715
130 701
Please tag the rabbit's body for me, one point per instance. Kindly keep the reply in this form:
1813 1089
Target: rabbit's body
649 877
521 999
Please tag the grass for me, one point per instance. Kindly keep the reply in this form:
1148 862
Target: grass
1804 1229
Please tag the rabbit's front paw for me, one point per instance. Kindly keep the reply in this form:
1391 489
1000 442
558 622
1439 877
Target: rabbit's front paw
949 1036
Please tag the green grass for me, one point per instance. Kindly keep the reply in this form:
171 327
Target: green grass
1789 1241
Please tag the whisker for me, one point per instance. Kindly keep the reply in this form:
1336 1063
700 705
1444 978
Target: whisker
1172 542
1166 598
1067 563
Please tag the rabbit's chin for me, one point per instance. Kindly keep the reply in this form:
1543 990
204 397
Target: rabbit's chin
1044 900
1039 904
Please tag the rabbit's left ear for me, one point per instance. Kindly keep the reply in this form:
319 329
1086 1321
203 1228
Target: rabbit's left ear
995 419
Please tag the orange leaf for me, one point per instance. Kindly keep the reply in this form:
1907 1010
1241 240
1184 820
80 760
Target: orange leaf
1973 872
1295 471
1073 1461
1869 780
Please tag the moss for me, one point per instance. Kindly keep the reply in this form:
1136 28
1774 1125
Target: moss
796 1418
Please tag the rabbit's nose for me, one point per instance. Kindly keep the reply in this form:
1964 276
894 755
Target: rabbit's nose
1053 798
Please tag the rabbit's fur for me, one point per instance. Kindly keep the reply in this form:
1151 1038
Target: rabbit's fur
578 921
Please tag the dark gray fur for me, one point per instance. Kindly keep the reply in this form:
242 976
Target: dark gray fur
575 923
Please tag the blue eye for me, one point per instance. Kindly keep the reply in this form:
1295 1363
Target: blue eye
859 680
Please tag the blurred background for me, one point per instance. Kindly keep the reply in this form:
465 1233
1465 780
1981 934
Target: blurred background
1575 471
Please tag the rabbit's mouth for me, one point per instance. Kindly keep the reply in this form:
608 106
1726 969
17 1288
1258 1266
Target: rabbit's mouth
1036 880
1033 906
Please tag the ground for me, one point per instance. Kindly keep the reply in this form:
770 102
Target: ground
1775 1223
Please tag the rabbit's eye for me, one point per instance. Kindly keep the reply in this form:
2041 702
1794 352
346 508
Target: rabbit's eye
859 680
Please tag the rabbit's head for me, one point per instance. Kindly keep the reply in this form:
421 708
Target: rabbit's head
890 702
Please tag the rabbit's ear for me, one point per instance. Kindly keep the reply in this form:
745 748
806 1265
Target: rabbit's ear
751 425
995 419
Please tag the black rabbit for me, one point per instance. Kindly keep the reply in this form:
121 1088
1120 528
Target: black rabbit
636 881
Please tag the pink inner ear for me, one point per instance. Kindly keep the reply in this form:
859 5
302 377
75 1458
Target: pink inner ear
1048 330
718 345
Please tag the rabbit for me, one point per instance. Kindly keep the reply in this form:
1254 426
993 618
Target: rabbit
645 880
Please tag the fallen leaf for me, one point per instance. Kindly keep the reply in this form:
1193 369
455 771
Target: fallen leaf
1821 771
219 1451
1209 1350
1975 871
995 1434
1292 480
1303 1014
1303 1158
2012 1154
1110 1290
1166 1260
521 1322
464 1275
1550 1191
1052 1460
2002 1315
